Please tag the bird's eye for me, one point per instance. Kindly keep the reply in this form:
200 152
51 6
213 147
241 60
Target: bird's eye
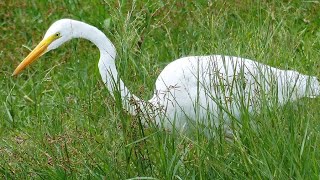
57 34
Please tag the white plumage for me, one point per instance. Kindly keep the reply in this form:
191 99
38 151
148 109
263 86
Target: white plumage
204 89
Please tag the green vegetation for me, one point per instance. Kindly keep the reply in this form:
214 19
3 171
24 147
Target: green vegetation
57 119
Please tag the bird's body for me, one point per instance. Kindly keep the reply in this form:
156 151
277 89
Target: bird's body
212 88
204 89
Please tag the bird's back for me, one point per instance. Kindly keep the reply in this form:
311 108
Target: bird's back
209 88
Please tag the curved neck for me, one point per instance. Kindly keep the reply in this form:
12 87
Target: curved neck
107 67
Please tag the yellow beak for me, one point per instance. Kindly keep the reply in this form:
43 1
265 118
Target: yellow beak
38 51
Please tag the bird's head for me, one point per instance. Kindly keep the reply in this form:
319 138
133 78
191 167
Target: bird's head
58 33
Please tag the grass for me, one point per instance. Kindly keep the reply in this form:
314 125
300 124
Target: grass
58 121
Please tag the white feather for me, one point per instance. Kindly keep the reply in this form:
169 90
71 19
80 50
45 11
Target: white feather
204 89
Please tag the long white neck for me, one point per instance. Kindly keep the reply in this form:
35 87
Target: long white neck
107 67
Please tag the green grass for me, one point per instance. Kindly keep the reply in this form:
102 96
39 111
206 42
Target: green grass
58 121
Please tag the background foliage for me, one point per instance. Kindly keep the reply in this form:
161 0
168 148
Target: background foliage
58 121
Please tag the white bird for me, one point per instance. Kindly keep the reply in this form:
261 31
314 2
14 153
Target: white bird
195 89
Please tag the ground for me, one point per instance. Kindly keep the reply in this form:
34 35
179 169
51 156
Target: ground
58 120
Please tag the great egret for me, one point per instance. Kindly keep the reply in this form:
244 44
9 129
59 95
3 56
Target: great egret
205 89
